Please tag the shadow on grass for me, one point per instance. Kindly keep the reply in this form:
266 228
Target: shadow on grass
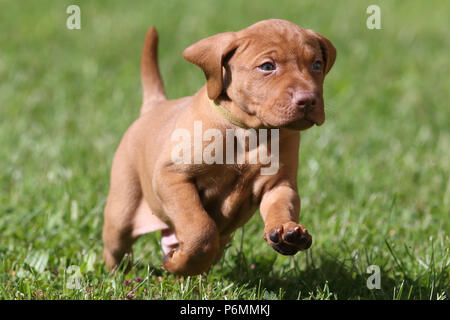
328 279
307 276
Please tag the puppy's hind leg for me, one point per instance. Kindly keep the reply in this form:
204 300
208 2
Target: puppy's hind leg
123 200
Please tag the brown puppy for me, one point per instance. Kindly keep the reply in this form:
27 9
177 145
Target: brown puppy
269 75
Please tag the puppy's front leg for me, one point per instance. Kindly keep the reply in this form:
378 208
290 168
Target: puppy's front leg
195 230
280 209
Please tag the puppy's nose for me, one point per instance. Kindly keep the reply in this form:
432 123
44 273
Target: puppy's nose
305 100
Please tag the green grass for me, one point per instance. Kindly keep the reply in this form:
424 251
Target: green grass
374 179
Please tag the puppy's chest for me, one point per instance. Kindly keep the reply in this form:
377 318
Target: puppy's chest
230 192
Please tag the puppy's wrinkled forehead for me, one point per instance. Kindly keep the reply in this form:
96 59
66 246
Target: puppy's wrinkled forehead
278 30
283 37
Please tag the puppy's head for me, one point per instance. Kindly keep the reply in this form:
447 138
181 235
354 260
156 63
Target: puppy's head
273 70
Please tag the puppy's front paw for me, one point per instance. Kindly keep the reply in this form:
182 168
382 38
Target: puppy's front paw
288 238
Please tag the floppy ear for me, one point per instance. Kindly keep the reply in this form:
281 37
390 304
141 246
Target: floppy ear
209 54
328 50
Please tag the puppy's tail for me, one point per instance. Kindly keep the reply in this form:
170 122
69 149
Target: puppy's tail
152 84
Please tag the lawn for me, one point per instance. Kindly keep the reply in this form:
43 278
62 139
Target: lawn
374 179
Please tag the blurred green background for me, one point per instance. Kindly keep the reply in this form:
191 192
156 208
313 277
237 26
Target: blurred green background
374 179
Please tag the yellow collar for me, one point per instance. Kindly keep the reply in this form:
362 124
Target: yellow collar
226 114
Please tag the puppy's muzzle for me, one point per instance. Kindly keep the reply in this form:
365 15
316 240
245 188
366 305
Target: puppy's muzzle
305 101
309 106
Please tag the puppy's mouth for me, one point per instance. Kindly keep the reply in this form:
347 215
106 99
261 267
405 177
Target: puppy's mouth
317 122
296 120
300 124
306 120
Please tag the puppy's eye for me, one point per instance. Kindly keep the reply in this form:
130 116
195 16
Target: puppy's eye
317 66
267 66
